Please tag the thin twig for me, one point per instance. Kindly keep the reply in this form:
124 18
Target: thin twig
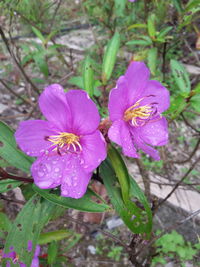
27 101
145 178
4 175
17 63
12 200
100 230
170 228
189 124
191 155
177 184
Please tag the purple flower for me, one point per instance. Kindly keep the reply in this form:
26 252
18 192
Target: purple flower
135 107
35 261
131 0
68 146
12 255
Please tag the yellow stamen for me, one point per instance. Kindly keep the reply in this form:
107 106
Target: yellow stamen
65 139
142 112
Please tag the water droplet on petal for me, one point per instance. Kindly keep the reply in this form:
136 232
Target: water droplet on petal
57 169
40 174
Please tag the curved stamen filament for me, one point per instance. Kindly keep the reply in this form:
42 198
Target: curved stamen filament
65 140
139 114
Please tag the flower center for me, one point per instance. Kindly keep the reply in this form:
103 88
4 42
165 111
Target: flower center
139 114
68 141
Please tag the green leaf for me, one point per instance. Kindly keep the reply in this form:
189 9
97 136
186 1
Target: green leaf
5 223
136 25
88 76
77 81
152 60
54 236
151 25
120 7
178 104
8 184
110 57
27 226
137 220
86 203
121 171
146 41
41 63
181 77
52 252
9 151
178 6
38 34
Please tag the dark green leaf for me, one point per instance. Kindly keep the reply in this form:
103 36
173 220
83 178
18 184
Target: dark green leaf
52 252
86 203
88 76
137 220
5 223
181 77
8 184
9 151
110 57
27 226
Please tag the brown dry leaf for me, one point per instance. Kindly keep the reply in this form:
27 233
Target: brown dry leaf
198 42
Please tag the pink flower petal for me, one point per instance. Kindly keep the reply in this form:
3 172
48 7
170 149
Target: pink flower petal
85 116
47 171
54 106
124 139
160 95
137 76
114 132
146 149
118 101
31 136
129 89
75 180
94 150
154 132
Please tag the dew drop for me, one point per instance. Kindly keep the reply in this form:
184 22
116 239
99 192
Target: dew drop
57 169
40 174
48 166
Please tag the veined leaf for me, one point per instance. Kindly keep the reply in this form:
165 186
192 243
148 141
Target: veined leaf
138 220
88 76
181 77
86 203
110 57
8 184
27 227
54 236
9 151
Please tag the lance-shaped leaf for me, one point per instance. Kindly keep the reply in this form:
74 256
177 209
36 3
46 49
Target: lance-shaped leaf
135 212
88 76
152 59
151 25
9 151
121 171
181 77
27 227
110 57
48 237
8 184
86 203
